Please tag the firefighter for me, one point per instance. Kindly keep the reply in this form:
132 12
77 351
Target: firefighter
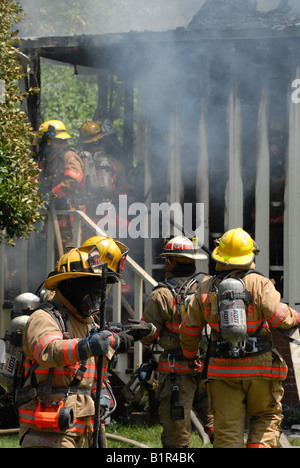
62 343
162 310
105 182
245 377
63 172
103 244
98 139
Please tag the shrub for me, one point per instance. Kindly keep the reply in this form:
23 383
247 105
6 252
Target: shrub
19 198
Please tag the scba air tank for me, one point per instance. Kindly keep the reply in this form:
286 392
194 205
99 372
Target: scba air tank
11 350
232 297
12 353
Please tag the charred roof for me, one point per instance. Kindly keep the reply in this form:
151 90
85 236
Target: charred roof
226 20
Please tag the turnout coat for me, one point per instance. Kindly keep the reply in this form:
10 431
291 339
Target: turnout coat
264 312
48 347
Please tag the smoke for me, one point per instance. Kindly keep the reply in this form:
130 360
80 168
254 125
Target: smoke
58 18
179 81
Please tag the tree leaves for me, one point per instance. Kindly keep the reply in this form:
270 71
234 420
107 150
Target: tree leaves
67 97
20 202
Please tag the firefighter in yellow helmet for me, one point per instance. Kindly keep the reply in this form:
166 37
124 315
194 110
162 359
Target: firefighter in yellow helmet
165 308
63 343
63 172
106 178
63 168
244 371
111 251
100 140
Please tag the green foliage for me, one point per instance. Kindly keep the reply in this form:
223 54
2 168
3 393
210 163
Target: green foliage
67 97
144 434
19 198
73 99
9 441
147 435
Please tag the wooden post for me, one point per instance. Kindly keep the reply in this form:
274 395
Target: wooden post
234 196
202 190
262 190
291 227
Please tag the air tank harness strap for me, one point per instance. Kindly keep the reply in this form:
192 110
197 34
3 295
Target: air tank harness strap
252 345
31 393
176 411
231 296
59 316
26 394
176 354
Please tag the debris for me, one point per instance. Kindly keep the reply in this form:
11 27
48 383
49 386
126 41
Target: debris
242 14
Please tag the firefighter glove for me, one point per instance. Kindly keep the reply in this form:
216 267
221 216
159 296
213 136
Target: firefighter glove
196 364
138 329
124 342
97 344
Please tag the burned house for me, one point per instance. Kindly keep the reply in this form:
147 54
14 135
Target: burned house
215 122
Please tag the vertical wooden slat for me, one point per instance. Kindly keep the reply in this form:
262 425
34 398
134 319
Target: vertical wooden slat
24 264
77 232
262 189
50 245
116 292
291 227
138 312
174 167
202 190
292 209
234 190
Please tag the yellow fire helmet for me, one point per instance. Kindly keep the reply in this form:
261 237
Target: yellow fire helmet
111 251
82 262
235 248
54 129
90 131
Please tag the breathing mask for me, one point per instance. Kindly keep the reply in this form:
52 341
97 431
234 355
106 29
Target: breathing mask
85 294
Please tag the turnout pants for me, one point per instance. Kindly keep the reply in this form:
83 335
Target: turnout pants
176 434
31 438
233 400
